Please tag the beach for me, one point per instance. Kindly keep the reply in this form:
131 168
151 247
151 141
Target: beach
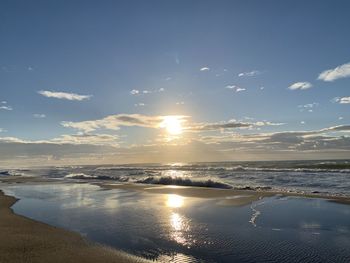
26 240
168 223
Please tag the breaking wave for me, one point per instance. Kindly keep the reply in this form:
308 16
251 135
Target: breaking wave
168 180
83 176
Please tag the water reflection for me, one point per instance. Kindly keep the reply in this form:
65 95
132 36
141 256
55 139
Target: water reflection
180 229
175 201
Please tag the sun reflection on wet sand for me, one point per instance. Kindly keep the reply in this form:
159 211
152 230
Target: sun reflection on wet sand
175 201
180 225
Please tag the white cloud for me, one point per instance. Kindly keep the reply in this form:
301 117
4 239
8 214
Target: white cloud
64 95
139 104
114 122
205 69
240 89
235 88
308 107
6 108
300 85
39 116
342 100
342 71
249 73
134 92
137 92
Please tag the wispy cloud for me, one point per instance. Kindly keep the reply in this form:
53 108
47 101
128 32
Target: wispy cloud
308 107
87 139
138 92
342 71
235 88
114 122
64 95
249 73
39 115
232 124
342 100
205 69
134 92
300 85
139 104
4 107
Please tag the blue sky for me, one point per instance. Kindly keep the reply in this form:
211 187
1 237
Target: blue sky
250 53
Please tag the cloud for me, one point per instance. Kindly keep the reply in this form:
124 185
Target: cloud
308 107
342 100
205 69
218 126
300 85
249 73
39 116
64 95
339 72
240 89
114 122
134 92
6 108
139 104
235 88
229 145
137 92
88 139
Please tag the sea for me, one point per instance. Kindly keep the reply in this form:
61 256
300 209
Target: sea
328 177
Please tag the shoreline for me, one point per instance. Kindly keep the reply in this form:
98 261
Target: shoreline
26 240
246 196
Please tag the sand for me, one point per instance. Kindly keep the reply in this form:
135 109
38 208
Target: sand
25 240
225 196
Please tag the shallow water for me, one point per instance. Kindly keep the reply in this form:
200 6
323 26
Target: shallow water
172 228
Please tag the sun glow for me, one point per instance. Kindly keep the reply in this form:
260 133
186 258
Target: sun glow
174 201
172 124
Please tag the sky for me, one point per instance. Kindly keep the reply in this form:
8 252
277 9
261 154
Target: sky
85 82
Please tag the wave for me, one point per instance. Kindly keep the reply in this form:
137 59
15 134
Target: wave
317 168
5 173
83 176
168 180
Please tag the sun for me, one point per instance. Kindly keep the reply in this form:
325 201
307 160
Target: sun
172 124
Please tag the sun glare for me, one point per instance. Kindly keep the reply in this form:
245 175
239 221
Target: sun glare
174 201
172 124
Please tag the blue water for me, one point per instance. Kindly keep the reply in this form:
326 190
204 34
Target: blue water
171 228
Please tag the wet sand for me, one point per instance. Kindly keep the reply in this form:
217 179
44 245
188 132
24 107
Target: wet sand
26 240
226 196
